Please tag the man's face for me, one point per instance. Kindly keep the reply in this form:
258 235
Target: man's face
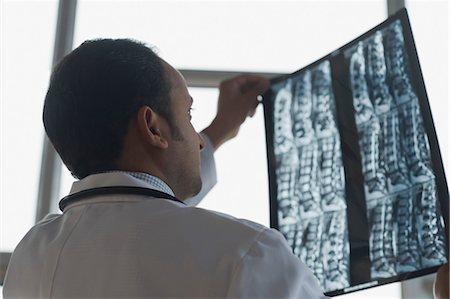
185 144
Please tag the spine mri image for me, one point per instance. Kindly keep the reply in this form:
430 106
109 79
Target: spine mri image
398 197
310 175
405 227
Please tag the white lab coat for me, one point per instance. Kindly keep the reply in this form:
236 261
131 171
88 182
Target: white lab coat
137 246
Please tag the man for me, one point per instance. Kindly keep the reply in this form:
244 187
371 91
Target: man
119 116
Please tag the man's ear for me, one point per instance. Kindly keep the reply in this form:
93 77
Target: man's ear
151 127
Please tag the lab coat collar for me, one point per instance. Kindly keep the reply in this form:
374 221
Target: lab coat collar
108 179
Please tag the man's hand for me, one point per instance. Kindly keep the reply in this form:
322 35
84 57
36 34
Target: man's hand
237 100
441 283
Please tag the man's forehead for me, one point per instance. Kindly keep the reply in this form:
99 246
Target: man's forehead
175 77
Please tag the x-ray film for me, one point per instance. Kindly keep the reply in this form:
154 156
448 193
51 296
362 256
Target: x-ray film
356 177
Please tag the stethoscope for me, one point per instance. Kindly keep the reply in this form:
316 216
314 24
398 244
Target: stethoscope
129 190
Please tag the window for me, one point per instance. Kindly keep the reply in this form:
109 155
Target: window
28 29
276 36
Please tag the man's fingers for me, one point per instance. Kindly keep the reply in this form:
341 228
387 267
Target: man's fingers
259 87
249 88
253 87
252 84
247 79
252 112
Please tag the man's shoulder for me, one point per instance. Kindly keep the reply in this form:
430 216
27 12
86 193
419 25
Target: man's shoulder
216 222
222 234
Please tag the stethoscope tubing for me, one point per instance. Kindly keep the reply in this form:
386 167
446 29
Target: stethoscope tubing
113 190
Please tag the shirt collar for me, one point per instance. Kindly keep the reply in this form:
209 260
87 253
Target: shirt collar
154 182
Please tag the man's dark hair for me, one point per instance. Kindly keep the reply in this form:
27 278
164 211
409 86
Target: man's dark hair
94 92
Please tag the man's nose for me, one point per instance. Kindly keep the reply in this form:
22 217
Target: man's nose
201 142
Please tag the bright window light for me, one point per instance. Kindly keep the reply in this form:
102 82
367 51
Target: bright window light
28 30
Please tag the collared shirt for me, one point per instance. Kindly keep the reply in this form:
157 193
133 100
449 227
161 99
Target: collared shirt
154 182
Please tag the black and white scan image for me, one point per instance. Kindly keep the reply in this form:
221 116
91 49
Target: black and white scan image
406 227
310 174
